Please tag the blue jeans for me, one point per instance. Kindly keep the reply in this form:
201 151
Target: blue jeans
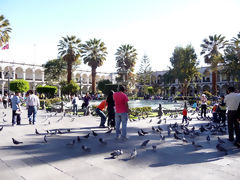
121 117
75 109
32 112
102 115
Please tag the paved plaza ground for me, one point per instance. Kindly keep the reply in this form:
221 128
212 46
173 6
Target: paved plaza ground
56 159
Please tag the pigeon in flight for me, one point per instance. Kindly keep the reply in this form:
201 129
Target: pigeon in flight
102 141
116 153
87 136
15 141
221 148
133 154
86 149
144 144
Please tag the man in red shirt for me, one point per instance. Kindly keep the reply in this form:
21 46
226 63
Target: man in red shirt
121 115
99 110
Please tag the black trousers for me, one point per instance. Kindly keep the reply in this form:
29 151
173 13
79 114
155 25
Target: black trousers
16 117
222 117
233 125
203 109
111 118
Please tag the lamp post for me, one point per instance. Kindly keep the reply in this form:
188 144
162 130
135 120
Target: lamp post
80 80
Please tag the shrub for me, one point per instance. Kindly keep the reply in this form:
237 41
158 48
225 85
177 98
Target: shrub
69 88
19 85
49 91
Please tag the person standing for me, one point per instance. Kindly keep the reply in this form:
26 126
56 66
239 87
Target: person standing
5 100
203 105
75 105
232 101
16 109
85 104
121 115
99 110
110 109
222 111
33 104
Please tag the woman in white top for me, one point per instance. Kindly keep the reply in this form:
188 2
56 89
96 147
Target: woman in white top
203 105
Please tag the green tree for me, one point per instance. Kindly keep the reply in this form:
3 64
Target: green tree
55 70
126 57
211 49
69 88
4 30
184 66
102 86
232 59
49 91
94 54
145 71
19 85
70 50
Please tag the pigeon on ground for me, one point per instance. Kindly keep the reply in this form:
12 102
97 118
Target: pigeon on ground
1 128
116 153
144 144
87 136
221 148
208 138
153 129
184 140
140 133
59 132
144 132
196 145
78 139
36 132
133 154
109 131
177 132
159 122
154 148
220 140
202 129
15 141
45 139
102 141
163 138
176 137
94 134
71 143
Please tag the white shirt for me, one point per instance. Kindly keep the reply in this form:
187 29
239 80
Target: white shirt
33 100
232 101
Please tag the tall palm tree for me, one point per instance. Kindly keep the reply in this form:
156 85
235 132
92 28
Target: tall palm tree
126 57
211 50
94 54
70 50
4 30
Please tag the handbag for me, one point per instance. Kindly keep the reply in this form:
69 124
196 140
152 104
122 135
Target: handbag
18 111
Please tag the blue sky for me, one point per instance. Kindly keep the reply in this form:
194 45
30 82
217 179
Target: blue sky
153 27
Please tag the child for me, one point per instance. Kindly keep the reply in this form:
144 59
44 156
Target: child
184 113
214 113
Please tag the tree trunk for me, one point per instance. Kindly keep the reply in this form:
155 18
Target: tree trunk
94 80
69 71
214 82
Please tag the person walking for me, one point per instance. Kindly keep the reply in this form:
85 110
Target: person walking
5 100
121 115
33 104
99 110
203 105
16 109
184 113
111 110
232 101
75 105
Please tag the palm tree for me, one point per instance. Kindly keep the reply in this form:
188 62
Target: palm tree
4 30
94 54
211 48
126 57
70 50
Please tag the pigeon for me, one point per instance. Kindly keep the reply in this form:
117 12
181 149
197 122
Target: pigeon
153 129
133 154
150 121
169 132
87 136
45 139
109 131
154 148
160 128
1 128
196 145
36 132
73 119
4 120
47 131
144 144
15 141
184 140
140 133
220 140
102 141
202 129
68 130
177 132
159 122
94 134
163 138
71 143
208 138
59 132
144 132
176 137
221 148
78 139
116 153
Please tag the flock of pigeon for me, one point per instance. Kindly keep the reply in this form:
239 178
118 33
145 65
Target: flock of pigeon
185 133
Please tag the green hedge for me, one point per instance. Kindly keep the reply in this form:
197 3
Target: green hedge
19 85
49 91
